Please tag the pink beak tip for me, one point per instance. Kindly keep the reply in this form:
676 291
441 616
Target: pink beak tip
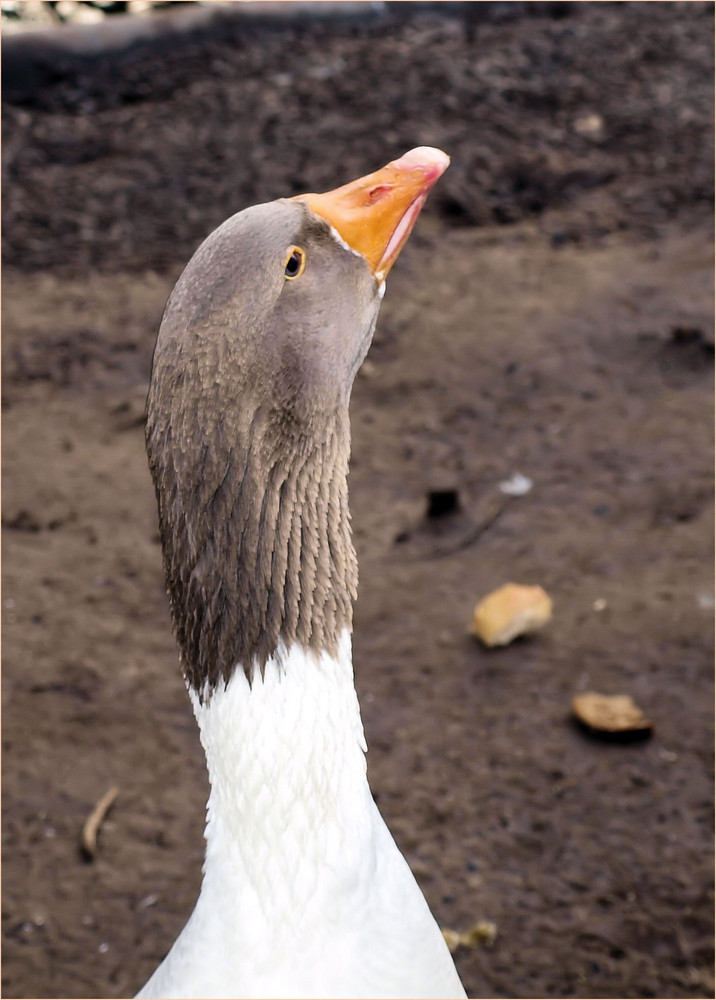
427 158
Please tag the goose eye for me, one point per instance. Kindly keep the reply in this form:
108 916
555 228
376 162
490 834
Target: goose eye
295 262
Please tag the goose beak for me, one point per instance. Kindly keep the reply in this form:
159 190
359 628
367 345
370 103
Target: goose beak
375 214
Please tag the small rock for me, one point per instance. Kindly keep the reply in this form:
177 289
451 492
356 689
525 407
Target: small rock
516 486
510 611
484 932
590 126
605 713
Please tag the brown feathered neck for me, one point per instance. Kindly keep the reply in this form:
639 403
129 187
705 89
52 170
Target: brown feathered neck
256 538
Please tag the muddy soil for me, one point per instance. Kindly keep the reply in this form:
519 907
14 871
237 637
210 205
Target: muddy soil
552 315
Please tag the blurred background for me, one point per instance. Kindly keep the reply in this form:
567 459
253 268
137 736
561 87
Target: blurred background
550 319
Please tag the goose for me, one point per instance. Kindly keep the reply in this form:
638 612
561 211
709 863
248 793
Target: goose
304 892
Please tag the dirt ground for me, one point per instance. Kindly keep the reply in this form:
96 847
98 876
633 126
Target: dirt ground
551 315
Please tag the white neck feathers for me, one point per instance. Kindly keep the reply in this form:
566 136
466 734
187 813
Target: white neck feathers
305 893
286 760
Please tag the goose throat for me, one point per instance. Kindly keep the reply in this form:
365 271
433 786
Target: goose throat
255 531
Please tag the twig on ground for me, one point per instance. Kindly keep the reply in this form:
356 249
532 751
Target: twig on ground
94 822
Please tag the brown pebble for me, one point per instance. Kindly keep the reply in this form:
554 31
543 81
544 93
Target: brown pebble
484 932
510 611
614 713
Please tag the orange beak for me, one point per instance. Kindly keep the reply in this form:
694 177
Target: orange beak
375 214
